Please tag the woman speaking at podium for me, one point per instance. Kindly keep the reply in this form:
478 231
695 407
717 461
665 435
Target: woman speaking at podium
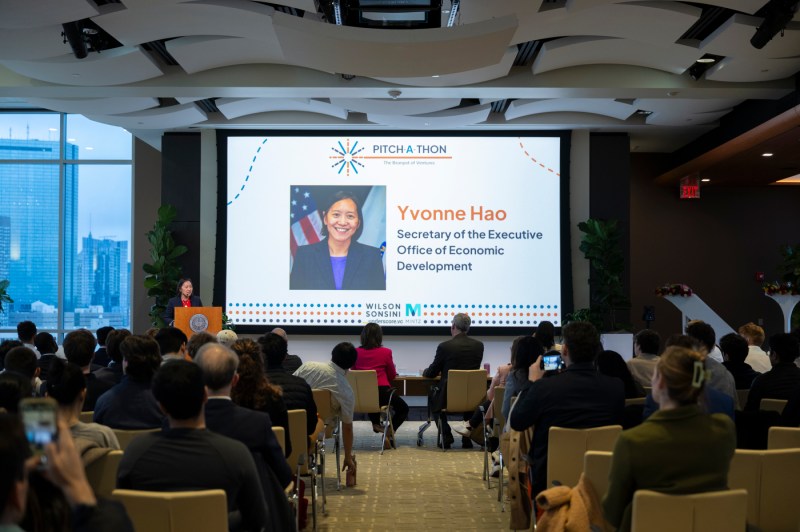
183 298
339 262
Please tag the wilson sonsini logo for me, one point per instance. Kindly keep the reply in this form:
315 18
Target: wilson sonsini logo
347 158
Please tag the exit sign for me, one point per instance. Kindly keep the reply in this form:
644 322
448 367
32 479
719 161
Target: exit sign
690 187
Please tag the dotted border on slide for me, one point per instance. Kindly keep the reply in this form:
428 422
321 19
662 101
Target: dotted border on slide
249 170
532 158
353 313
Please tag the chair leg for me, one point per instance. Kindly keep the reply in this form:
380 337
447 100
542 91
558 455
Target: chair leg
500 484
337 447
320 465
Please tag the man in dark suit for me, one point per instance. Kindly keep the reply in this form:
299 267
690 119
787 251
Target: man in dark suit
577 398
225 417
460 352
79 349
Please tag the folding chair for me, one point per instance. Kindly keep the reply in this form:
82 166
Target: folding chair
322 398
716 510
102 473
299 463
466 389
365 388
126 436
773 405
177 511
566 449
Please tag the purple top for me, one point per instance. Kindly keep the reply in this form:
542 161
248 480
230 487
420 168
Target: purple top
338 264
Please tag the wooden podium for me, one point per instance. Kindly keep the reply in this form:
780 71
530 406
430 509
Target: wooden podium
198 319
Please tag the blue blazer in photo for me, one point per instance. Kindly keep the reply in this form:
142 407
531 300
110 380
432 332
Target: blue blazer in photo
312 268
169 313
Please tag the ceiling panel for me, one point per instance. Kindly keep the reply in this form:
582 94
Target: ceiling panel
19 14
196 54
162 118
453 118
618 110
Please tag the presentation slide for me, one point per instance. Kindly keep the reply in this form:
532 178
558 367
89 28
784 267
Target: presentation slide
396 230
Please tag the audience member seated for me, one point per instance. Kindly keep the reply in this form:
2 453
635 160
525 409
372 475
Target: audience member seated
13 387
5 347
22 360
292 362
47 347
611 363
721 379
26 332
734 351
712 401
187 457
646 346
67 385
254 429
226 337
74 508
171 344
459 352
254 391
197 341
525 350
79 348
783 378
679 449
113 372
297 393
372 355
333 376
578 397
101 355
130 405
756 357
546 334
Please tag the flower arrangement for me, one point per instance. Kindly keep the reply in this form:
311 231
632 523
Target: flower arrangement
780 288
674 290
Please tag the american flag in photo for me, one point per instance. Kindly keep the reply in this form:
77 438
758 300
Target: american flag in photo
306 222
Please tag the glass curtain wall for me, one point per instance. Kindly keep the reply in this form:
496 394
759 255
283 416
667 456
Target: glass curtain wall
65 222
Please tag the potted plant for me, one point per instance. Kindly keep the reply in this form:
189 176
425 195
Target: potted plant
4 297
600 244
164 271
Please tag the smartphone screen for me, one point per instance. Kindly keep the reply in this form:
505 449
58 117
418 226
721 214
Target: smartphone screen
551 362
39 419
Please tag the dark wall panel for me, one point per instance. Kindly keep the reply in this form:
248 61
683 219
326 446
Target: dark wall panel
714 244
180 186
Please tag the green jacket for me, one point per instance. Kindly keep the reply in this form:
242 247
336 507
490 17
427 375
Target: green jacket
677 451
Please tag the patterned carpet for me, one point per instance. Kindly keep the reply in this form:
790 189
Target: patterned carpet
411 488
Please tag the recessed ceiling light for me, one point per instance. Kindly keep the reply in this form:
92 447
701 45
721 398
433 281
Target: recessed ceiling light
766 154
705 180
706 60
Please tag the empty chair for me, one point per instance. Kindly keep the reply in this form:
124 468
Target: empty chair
566 448
125 436
769 478
102 473
179 511
322 398
773 405
784 438
702 512
596 467
365 389
466 389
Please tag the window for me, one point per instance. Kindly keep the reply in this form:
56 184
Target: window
65 221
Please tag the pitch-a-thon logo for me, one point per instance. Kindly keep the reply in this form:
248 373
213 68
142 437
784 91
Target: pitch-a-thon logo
346 157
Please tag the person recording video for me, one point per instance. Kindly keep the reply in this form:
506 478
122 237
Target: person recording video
339 262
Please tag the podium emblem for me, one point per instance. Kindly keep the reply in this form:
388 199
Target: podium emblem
198 323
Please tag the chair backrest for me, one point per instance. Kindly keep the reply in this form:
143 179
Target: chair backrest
497 407
177 511
365 389
635 401
596 467
297 433
566 448
86 417
783 438
466 389
716 510
102 473
769 478
280 435
742 395
322 398
125 436
773 405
